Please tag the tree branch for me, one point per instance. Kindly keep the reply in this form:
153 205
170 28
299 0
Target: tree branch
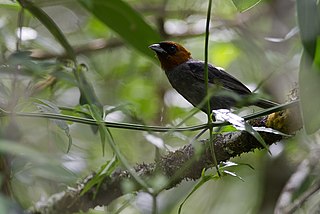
183 164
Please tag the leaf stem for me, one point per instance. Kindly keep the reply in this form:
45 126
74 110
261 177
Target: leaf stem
207 86
140 127
206 74
88 121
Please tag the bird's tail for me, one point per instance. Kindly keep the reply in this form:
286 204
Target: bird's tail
262 103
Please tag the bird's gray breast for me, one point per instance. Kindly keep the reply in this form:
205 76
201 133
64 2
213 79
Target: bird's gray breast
182 79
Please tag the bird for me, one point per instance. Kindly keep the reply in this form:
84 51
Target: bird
186 75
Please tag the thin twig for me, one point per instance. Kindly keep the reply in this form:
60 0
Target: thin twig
140 127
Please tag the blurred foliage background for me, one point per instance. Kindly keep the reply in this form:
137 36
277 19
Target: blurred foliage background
109 39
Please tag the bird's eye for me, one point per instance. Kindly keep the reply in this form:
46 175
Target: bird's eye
172 49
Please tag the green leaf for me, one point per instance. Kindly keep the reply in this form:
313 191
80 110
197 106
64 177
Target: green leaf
309 75
256 135
50 25
4 90
224 54
105 170
27 65
309 23
203 180
316 61
121 18
49 107
103 131
9 4
88 95
309 82
243 5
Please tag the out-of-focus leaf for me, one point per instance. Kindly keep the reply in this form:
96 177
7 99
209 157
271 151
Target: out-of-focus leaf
309 82
65 76
77 111
24 151
309 24
9 4
142 94
316 60
49 107
25 63
105 170
50 25
224 54
97 115
9 206
205 178
243 5
125 21
88 95
4 90
309 75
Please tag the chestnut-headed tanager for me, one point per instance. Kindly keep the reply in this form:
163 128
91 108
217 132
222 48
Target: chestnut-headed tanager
186 75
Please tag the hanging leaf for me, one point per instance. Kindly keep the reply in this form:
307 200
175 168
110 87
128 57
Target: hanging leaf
120 17
50 25
205 178
309 75
87 93
105 170
49 107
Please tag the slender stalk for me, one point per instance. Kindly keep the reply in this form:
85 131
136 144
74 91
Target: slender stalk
139 127
20 25
292 104
206 74
154 204
87 121
207 86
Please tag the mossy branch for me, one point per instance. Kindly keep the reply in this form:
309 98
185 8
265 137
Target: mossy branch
183 164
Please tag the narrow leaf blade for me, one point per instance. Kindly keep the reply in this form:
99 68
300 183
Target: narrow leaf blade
309 75
50 25
120 17
49 107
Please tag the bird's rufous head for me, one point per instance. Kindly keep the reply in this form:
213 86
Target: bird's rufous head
170 54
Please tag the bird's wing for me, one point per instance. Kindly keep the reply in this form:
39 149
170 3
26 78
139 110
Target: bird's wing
217 76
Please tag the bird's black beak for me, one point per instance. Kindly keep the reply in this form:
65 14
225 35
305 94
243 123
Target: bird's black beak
157 48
